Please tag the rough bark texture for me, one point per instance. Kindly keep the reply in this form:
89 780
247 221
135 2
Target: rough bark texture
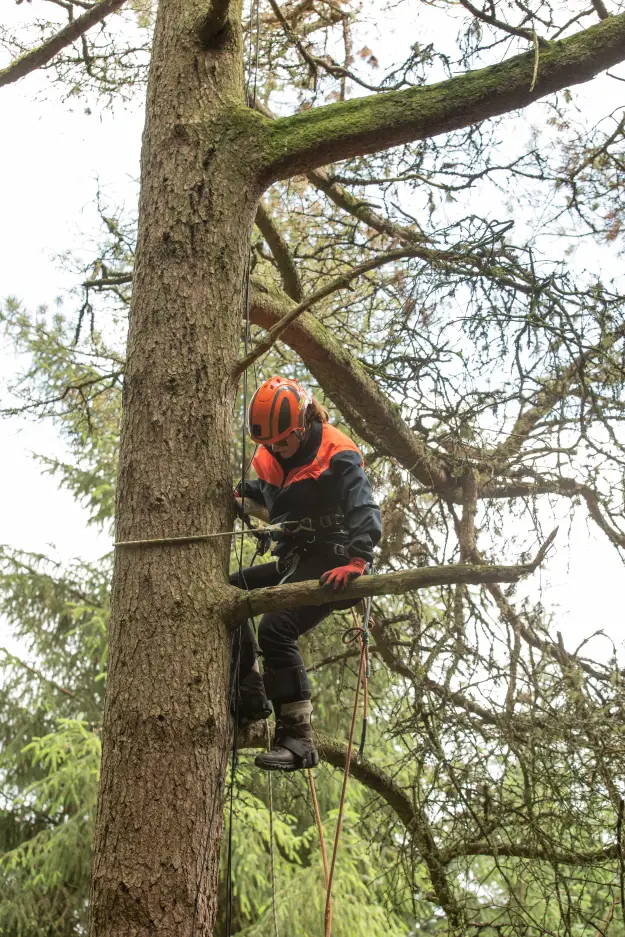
205 158
166 727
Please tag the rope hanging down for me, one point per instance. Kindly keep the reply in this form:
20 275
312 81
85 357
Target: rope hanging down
360 633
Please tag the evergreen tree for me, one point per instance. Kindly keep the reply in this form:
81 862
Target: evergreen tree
509 810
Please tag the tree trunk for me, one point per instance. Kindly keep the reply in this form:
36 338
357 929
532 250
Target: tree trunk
166 727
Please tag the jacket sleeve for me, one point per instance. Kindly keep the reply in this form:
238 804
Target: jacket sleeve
252 489
354 495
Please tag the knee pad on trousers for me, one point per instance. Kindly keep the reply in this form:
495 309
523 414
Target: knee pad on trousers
287 685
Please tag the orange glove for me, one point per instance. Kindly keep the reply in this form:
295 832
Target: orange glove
340 577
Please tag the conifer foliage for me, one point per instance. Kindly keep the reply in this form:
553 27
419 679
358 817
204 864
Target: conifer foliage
412 242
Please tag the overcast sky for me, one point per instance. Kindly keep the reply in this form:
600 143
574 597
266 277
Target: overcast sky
50 160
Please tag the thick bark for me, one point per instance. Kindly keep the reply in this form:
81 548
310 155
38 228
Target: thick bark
205 157
44 53
166 726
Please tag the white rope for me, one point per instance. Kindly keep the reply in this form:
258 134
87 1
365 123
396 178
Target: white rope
197 537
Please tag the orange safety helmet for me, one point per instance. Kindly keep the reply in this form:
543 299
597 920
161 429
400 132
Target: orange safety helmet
277 409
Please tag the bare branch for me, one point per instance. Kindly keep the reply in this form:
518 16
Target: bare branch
281 253
528 851
518 31
47 50
295 594
553 390
338 284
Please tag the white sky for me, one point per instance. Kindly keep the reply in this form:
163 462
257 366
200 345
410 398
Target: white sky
50 160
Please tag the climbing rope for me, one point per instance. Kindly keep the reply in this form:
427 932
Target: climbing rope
274 903
339 823
282 527
360 633
322 842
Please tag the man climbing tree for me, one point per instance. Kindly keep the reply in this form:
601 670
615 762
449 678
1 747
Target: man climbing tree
310 477
207 158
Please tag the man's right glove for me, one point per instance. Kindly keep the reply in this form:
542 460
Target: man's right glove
264 540
262 536
340 577
238 506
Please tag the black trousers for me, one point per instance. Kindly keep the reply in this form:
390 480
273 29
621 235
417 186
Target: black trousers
278 631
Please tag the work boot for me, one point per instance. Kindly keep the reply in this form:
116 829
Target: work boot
253 704
293 746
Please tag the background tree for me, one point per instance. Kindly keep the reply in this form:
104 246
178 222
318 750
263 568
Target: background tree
509 368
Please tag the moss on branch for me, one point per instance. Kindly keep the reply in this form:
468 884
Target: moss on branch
310 593
364 125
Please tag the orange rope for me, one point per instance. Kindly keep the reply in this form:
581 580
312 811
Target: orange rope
339 823
322 842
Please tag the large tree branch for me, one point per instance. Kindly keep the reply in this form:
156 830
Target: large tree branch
466 262
295 594
600 7
214 22
323 135
47 50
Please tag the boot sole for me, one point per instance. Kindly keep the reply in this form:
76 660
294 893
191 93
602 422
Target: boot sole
301 766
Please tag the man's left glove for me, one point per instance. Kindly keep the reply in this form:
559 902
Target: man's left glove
340 577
